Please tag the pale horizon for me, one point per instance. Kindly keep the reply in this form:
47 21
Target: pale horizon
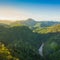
22 10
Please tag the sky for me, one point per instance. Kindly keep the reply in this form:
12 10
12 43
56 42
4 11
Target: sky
41 10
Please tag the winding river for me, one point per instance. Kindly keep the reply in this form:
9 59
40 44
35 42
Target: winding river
41 49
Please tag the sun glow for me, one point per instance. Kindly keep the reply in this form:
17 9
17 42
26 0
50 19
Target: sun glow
12 14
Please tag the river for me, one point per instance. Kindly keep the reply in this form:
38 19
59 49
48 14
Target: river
41 49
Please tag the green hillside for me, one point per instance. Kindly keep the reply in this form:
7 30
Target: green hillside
24 38
51 29
22 41
5 54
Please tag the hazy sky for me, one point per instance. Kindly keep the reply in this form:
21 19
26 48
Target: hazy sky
36 9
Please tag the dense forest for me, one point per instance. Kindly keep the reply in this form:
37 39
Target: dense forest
21 40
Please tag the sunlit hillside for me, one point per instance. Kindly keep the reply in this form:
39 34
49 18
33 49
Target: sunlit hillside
51 29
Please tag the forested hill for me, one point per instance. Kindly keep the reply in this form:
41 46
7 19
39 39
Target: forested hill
22 39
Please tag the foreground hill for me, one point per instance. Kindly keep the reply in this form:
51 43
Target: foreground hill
52 43
5 54
51 40
51 48
21 41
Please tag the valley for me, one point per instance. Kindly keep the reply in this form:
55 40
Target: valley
21 40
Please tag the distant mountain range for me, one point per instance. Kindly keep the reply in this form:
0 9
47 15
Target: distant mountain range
31 23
